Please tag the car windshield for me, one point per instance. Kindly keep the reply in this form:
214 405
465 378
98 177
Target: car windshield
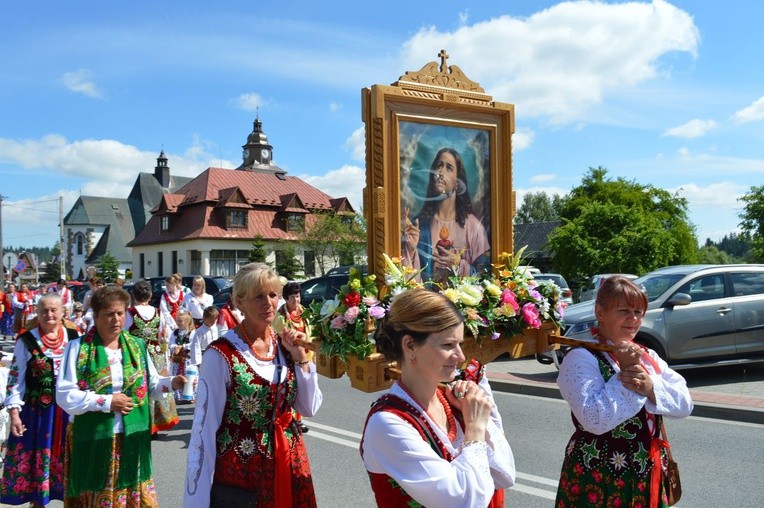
657 284
557 279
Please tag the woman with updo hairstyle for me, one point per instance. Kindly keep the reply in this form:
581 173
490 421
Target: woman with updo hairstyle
427 442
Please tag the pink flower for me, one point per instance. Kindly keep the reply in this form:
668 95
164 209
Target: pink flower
338 323
508 298
351 314
377 311
531 315
370 301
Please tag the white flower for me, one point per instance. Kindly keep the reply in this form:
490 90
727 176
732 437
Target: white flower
618 460
329 305
247 446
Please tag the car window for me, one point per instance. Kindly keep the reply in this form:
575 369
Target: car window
656 285
745 284
710 287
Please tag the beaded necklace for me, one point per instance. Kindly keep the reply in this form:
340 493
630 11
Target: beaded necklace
450 420
271 348
52 344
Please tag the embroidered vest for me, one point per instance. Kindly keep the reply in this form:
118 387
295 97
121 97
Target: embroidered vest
387 491
40 379
630 440
147 330
245 437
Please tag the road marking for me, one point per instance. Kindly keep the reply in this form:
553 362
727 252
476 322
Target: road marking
525 489
726 422
534 491
335 430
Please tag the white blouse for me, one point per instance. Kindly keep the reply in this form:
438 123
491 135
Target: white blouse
164 309
214 378
195 305
393 447
21 356
601 406
75 401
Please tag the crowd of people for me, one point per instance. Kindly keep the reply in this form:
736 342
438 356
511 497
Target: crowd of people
92 384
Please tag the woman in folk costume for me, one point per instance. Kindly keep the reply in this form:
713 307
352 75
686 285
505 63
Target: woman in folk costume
425 444
250 384
617 401
289 315
145 321
34 466
23 302
105 383
6 316
171 301
229 316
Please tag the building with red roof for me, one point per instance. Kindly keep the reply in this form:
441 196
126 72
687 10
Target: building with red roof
207 226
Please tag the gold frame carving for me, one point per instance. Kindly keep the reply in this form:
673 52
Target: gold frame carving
437 95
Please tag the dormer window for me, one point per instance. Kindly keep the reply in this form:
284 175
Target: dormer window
165 223
236 219
295 222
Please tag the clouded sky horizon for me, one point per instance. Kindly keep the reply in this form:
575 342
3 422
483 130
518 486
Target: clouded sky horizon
661 93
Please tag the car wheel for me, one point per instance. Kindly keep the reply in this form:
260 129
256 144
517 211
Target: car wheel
652 344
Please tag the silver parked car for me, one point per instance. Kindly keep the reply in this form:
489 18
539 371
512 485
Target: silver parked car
594 283
566 294
696 314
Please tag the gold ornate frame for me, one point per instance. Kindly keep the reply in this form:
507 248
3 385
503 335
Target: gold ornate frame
438 95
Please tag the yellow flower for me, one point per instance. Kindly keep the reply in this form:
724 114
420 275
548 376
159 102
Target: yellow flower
451 294
470 295
355 284
505 273
493 289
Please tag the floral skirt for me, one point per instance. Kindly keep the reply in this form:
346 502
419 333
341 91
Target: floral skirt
140 495
33 467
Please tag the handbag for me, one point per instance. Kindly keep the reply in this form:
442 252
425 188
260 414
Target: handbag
671 483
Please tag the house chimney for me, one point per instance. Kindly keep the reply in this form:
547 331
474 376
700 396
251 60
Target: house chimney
162 171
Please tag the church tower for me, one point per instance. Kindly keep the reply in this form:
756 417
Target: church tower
257 154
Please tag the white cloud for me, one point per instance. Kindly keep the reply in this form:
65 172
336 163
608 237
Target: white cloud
35 221
335 106
248 101
537 179
102 161
752 113
561 61
714 205
692 129
522 139
356 144
347 181
80 82
464 17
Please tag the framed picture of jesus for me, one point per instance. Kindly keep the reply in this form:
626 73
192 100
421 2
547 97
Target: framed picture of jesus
439 174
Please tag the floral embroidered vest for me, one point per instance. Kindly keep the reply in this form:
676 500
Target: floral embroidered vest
40 379
148 331
245 437
625 448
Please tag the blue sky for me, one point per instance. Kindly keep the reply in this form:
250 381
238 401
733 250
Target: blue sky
662 93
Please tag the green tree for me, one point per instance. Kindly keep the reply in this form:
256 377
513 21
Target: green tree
52 272
286 262
620 226
335 239
257 252
752 220
538 207
108 267
710 254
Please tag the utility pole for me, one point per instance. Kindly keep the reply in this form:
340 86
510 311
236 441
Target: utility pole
2 251
62 265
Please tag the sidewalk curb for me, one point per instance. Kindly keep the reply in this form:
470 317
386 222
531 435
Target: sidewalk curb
702 409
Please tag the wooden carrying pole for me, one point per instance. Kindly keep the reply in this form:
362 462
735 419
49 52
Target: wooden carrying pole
560 339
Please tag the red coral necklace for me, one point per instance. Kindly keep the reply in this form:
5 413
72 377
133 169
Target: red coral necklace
450 420
52 344
268 335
